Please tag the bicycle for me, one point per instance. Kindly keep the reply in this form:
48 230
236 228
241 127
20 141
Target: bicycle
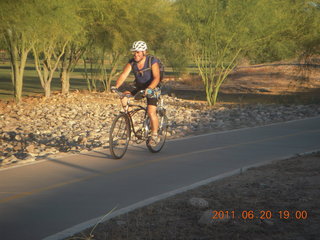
135 121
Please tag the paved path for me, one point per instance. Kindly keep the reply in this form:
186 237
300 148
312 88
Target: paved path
41 199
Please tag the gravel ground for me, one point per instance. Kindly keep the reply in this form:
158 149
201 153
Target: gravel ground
276 201
79 122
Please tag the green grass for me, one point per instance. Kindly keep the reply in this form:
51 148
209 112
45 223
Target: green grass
31 82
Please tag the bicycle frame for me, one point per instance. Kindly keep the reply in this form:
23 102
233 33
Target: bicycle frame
136 120
131 113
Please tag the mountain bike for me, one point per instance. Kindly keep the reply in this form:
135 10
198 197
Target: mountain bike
134 124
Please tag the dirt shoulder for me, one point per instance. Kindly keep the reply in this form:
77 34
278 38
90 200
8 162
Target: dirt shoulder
282 187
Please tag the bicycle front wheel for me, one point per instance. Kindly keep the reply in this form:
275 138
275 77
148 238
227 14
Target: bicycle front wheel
119 136
162 134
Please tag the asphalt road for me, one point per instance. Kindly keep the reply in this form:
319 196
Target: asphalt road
42 199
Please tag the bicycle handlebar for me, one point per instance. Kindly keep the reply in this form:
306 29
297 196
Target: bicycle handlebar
122 95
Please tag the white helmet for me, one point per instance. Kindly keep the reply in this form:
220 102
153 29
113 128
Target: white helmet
138 46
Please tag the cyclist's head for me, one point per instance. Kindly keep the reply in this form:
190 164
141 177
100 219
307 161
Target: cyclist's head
139 46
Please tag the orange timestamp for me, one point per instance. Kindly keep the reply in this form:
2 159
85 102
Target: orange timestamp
260 214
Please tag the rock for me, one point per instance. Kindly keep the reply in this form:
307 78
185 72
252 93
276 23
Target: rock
30 148
83 140
10 160
18 138
206 218
198 202
12 135
28 158
18 147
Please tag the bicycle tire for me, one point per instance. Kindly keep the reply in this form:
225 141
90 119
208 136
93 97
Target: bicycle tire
119 136
162 133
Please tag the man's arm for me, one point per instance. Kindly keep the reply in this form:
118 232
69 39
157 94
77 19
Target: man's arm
156 76
123 76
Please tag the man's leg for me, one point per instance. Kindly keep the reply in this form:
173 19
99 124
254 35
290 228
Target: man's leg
152 113
124 101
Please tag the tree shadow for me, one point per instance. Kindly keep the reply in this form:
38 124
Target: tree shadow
21 144
71 165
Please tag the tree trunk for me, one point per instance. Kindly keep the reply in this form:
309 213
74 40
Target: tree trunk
17 80
65 71
86 75
70 58
65 81
47 66
114 60
18 59
18 66
18 85
47 89
215 95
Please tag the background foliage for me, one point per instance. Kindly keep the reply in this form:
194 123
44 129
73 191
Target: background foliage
212 34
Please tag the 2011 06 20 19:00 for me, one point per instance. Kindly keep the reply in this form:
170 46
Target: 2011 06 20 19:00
260 214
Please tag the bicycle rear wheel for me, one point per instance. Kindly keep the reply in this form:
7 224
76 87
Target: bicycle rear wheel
162 134
119 136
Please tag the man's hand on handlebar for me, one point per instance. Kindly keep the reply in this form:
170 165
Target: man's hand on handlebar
148 92
141 93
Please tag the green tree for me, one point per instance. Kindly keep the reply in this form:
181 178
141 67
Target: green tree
292 32
219 32
108 33
214 37
309 41
283 26
19 32
72 54
117 23
58 23
47 61
82 20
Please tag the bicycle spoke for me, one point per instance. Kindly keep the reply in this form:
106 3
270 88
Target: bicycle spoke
119 136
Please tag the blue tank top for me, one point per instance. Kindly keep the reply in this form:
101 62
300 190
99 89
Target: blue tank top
144 76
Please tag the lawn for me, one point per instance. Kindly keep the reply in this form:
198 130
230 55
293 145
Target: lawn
31 84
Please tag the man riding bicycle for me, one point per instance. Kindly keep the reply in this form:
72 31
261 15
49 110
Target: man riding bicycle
146 78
